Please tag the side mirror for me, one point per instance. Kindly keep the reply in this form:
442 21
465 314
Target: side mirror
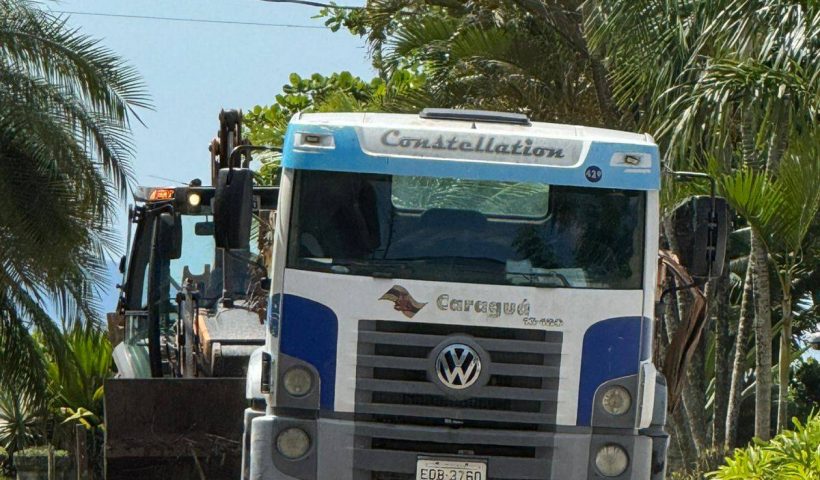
169 236
204 229
233 208
701 228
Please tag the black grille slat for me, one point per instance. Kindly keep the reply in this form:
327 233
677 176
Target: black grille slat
455 414
428 340
385 361
514 370
430 389
403 414
465 435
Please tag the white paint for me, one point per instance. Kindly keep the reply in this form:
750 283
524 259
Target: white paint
355 298
648 379
379 122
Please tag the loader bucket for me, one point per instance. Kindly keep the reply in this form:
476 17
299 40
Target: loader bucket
174 428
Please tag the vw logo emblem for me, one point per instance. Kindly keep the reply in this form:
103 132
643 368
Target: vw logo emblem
458 366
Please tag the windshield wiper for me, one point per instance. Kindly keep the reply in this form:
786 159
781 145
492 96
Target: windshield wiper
535 277
456 260
373 268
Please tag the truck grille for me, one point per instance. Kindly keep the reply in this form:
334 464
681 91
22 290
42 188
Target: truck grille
508 421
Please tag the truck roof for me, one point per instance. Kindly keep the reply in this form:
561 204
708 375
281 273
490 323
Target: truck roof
414 121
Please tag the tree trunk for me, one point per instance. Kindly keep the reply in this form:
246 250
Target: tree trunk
694 400
606 104
744 329
784 367
692 393
763 339
679 430
683 438
719 311
778 146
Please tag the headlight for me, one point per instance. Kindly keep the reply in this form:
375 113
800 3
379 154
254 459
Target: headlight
616 400
194 199
611 460
293 442
298 381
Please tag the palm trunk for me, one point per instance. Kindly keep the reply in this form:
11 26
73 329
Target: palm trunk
683 438
744 328
692 393
784 367
679 430
763 339
778 146
719 310
606 104
694 400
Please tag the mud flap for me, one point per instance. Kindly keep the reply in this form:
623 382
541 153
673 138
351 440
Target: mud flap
174 428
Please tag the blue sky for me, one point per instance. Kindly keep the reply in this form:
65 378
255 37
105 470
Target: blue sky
192 70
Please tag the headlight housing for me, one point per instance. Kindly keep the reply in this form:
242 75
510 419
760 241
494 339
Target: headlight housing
298 381
293 443
616 400
611 460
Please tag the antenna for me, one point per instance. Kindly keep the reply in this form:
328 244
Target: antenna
167 179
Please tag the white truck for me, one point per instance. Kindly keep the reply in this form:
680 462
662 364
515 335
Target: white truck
461 295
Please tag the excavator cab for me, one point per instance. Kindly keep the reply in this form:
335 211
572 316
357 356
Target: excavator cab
185 324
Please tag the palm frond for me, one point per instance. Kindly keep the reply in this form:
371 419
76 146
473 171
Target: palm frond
65 150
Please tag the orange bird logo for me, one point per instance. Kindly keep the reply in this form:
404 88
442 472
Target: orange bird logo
403 301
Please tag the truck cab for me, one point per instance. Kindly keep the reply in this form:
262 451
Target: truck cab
459 294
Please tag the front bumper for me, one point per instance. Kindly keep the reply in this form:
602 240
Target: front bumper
347 450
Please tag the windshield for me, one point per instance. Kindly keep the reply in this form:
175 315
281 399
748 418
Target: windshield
201 262
197 259
455 230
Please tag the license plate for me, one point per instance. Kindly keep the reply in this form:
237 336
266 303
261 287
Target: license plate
450 469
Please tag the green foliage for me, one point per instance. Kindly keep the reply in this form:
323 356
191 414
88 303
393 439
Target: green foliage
35 459
76 385
339 92
790 455
75 392
21 421
65 108
491 56
338 18
266 125
693 71
40 452
804 390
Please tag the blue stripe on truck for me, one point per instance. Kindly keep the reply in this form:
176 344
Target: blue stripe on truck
309 332
612 349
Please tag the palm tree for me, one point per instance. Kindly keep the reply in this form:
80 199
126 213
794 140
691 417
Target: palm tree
731 80
65 104
781 211
526 55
